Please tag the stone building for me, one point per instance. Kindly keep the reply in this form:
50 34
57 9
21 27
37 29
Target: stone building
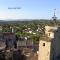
9 38
24 42
49 44
56 45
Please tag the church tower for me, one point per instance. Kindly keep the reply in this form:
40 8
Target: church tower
54 18
45 44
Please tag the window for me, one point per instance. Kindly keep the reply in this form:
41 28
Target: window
43 44
49 34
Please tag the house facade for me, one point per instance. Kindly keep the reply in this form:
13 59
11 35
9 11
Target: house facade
24 42
9 39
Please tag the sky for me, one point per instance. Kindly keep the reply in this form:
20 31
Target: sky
29 9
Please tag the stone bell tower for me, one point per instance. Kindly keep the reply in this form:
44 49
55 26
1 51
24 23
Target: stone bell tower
45 44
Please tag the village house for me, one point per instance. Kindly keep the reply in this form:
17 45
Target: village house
9 38
2 43
28 30
24 42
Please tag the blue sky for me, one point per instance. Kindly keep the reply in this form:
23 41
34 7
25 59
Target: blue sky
30 9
